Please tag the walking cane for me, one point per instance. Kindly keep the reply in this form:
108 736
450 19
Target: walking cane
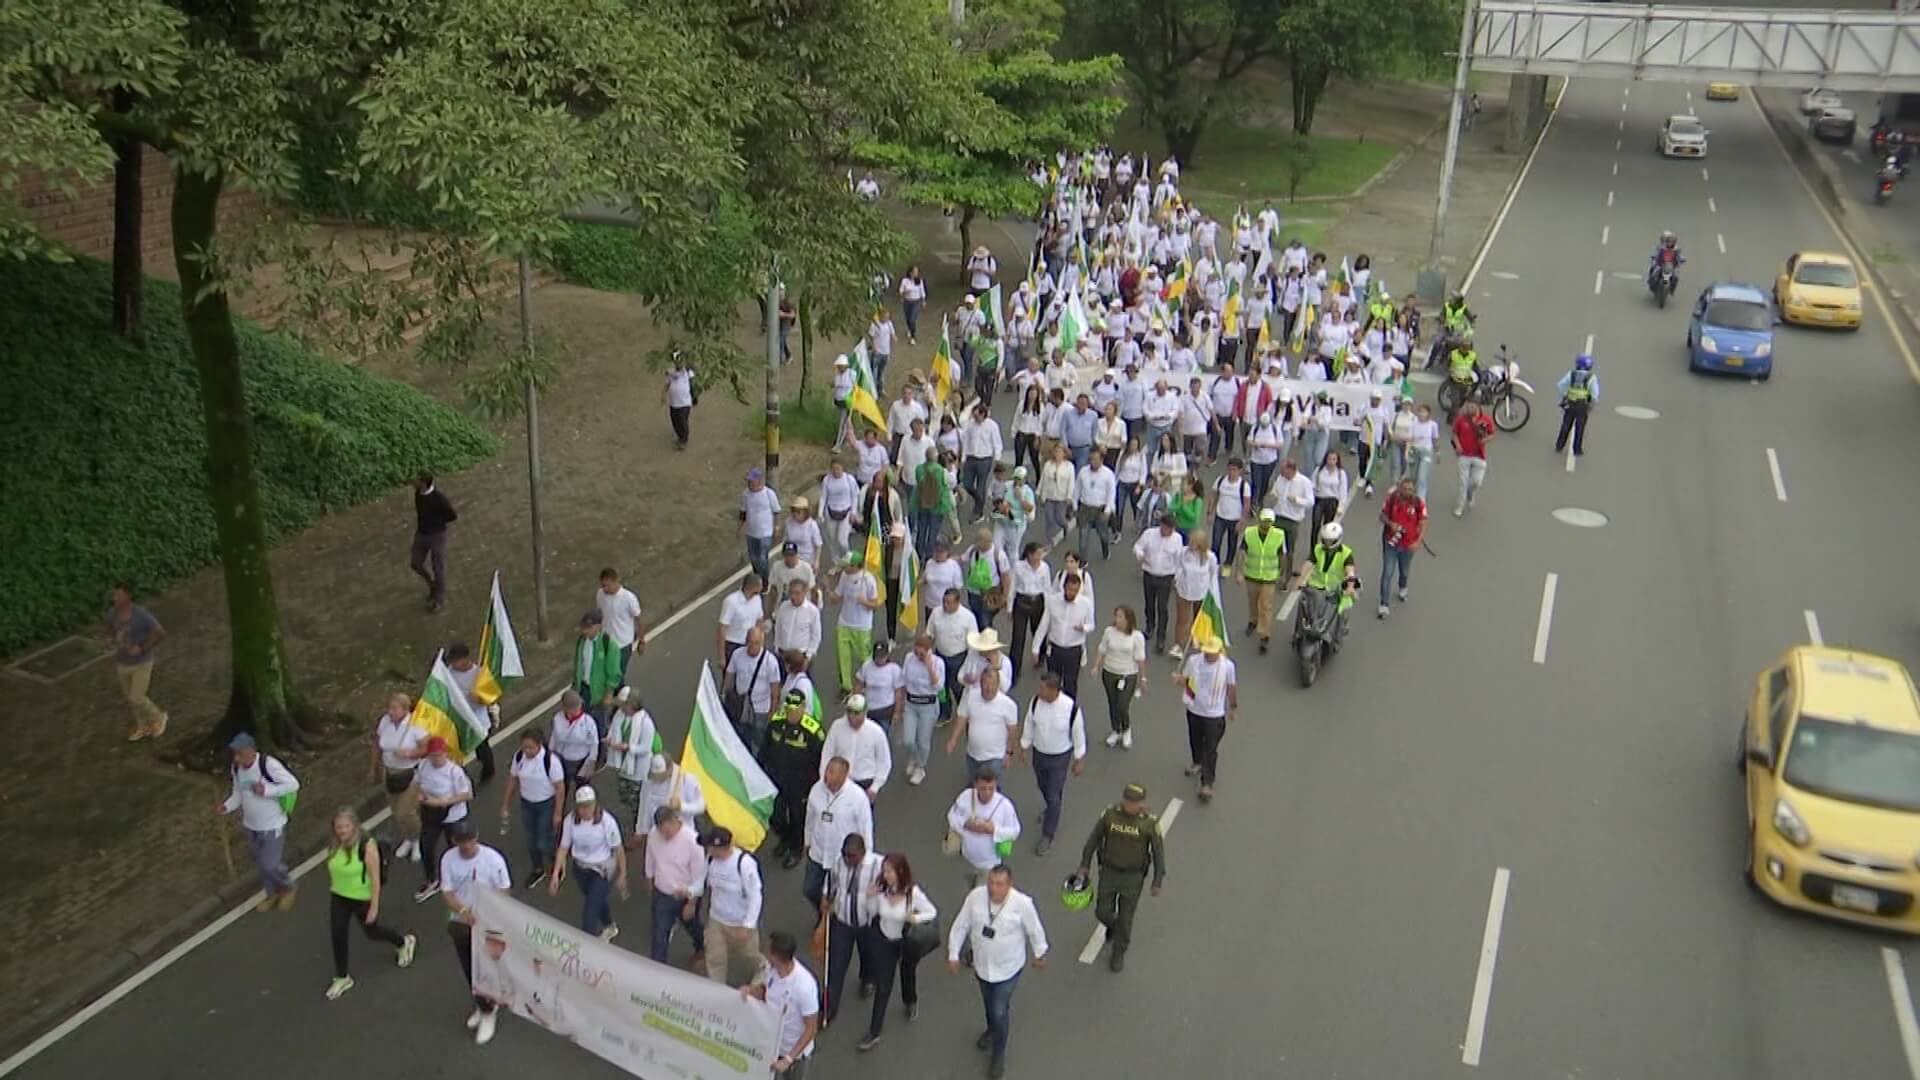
225 840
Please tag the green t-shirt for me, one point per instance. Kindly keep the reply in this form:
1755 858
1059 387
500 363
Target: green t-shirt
1186 511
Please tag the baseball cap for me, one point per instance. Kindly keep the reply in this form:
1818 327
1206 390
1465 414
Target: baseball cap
244 741
1266 515
435 745
463 830
789 548
584 794
857 703
721 836
1134 793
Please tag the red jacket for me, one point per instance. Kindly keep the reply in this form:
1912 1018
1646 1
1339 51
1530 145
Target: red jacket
1403 520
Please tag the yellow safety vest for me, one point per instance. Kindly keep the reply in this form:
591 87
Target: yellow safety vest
1578 390
1262 560
1329 567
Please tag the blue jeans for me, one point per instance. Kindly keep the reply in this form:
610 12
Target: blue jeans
997 1000
975 474
1050 772
880 372
759 549
1392 558
596 905
536 820
1080 455
916 735
926 529
666 912
1315 443
1421 462
1263 480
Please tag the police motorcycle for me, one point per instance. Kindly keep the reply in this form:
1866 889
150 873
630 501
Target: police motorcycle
1320 621
1498 388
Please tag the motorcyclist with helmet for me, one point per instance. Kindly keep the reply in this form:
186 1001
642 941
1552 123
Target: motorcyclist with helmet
1579 392
1667 253
1331 569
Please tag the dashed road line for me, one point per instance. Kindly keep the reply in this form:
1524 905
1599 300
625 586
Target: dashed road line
1545 628
1598 277
1902 1008
1483 974
1813 628
1711 207
1721 240
1703 173
1779 482
1609 198
1605 231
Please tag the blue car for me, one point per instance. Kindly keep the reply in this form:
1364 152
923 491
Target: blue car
1732 331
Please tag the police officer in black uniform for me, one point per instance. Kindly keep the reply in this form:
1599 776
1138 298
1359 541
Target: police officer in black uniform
794 739
1127 842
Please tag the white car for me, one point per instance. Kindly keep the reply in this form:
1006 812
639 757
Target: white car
1683 136
1819 98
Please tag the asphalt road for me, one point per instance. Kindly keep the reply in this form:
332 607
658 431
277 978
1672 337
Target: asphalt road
1327 915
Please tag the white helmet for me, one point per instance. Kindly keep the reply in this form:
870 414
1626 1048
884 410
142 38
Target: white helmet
1330 533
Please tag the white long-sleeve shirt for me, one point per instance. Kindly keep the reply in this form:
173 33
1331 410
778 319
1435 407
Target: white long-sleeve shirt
896 913
1055 727
1064 622
1056 481
1158 553
1096 486
980 438
851 888
1162 408
978 848
1293 499
1016 930
1196 576
797 626
260 812
869 755
735 889
832 816
1331 483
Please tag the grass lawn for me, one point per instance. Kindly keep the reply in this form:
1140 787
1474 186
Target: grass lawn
1241 163
816 421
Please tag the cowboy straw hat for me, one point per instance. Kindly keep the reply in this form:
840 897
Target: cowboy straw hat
987 640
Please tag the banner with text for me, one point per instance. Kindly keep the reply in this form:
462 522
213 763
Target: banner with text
652 1020
1348 402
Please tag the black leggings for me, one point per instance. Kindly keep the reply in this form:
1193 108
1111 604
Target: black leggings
1119 699
340 911
889 956
462 937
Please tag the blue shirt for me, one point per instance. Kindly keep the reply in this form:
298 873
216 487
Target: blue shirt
1593 385
1076 427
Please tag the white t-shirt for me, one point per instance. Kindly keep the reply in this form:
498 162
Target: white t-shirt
618 612
882 682
539 776
796 995
592 843
989 724
463 878
1231 497
443 782
1206 686
397 738
854 588
680 389
739 613
1122 654
1424 432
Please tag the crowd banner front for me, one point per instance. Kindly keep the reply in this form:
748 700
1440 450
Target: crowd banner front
651 1020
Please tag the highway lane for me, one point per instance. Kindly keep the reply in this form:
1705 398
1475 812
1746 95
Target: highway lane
1325 915
1699 581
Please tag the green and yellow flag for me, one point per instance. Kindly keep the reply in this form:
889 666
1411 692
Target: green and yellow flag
1210 621
876 557
499 651
865 398
909 588
443 710
739 795
942 372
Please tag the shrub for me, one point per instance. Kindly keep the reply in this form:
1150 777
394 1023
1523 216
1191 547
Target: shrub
103 448
604 257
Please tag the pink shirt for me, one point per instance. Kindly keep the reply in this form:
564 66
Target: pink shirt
675 865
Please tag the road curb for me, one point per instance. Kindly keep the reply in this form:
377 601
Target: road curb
123 962
1825 178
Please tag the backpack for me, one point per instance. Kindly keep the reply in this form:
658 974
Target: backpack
926 494
385 855
287 801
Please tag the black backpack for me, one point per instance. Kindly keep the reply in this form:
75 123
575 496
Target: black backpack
385 855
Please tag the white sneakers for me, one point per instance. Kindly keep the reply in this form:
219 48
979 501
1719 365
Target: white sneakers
473 1021
1385 611
1113 739
407 849
916 776
406 950
339 986
610 933
1403 592
484 1033
1126 739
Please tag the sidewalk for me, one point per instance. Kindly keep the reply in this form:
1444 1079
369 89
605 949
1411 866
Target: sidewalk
113 853
1887 237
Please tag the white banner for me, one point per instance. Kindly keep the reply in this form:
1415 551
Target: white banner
1349 401
652 1020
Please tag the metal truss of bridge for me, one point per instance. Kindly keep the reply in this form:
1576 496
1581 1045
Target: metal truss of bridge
1843 50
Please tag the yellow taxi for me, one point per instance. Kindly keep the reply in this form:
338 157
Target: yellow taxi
1831 753
1723 91
1818 288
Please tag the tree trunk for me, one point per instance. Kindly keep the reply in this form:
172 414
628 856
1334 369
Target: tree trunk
262 698
966 242
129 286
1308 83
1183 139
803 311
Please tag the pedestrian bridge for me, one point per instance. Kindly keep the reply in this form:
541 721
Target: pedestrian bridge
1842 50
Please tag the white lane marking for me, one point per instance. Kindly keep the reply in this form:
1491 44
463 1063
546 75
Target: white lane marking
1506 275
1623 106
173 956
1703 173
1526 167
1609 198
1598 277
1779 483
1616 144
1721 239
1616 168
1099 937
1626 91
1483 977
1622 126
1569 458
1546 619
1813 629
1850 155
1605 231
1711 208
1589 349
1902 1008
1689 95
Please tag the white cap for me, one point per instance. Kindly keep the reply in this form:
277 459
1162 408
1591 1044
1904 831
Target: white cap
583 795
857 703
658 766
842 361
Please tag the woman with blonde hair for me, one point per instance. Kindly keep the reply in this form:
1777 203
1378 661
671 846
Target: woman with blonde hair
353 876
397 746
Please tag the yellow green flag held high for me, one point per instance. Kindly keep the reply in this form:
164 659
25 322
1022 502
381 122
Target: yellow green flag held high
499 651
865 398
444 710
909 588
1210 621
875 558
941 371
739 795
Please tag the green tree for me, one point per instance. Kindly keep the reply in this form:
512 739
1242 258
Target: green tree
1182 57
503 113
1356 39
1040 106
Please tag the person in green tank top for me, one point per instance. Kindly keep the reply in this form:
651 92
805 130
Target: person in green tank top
353 877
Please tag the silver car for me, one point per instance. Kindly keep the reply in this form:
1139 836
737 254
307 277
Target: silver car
1683 136
1834 124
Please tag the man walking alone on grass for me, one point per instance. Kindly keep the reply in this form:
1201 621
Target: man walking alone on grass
432 513
136 633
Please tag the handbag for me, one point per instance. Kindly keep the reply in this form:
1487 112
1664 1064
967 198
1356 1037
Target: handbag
950 844
921 940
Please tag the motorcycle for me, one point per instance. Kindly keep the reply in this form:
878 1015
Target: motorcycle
1443 345
1498 390
1883 191
1318 630
1662 283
